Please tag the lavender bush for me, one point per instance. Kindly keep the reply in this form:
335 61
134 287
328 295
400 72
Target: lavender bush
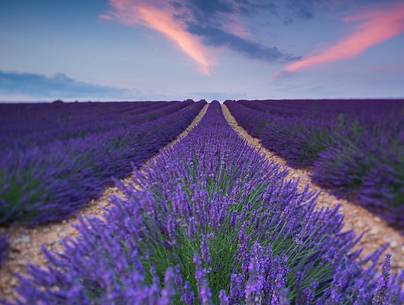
354 148
3 249
50 182
212 222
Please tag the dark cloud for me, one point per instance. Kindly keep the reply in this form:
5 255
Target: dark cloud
57 86
213 6
291 8
233 6
308 9
300 9
218 37
210 19
209 22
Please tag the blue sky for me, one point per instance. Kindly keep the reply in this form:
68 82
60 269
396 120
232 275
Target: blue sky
219 49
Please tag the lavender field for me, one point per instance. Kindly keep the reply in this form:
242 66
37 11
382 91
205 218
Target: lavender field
57 157
209 220
202 152
63 155
355 148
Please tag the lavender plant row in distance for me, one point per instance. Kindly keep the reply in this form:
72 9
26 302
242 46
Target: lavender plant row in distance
354 148
27 125
51 182
212 222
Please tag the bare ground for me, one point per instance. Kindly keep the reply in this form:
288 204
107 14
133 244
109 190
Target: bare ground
377 232
25 243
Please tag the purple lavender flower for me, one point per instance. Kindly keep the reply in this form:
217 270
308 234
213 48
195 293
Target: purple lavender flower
3 249
353 150
211 203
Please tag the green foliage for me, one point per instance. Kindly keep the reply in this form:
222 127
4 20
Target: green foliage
20 195
341 120
314 143
223 241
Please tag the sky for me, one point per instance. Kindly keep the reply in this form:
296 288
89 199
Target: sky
200 49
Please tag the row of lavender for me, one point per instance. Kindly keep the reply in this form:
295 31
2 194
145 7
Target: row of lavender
31 133
50 182
25 125
354 148
212 222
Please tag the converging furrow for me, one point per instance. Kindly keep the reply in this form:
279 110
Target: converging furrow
211 221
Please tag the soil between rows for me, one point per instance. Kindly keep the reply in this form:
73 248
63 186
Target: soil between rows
26 243
376 231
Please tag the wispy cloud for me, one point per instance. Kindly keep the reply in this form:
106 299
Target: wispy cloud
234 25
194 24
217 37
162 17
374 28
164 22
220 23
57 86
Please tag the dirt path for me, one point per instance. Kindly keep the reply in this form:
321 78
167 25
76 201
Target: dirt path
356 218
25 243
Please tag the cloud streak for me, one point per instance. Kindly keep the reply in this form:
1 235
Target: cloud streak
162 18
217 37
193 25
164 22
374 28
56 86
221 23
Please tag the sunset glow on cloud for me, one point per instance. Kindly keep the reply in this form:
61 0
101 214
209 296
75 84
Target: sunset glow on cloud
202 49
235 26
374 28
196 27
163 20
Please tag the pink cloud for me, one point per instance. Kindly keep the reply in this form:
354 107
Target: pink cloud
375 27
162 18
233 24
105 17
